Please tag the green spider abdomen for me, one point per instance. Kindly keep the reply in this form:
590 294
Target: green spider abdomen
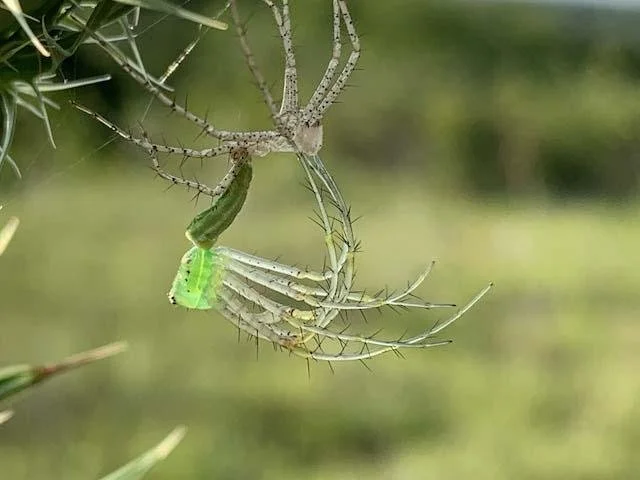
204 229
198 280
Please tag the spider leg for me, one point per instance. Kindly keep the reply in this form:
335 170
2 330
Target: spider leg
176 180
240 287
316 115
328 236
155 90
300 293
147 145
329 73
358 300
314 164
275 311
237 314
290 84
251 63
271 265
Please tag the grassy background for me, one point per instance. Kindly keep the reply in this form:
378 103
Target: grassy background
541 381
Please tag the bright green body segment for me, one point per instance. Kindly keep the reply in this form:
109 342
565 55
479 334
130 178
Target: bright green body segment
205 228
198 279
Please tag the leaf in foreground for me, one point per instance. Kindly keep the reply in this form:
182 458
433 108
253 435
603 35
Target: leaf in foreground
141 465
16 10
15 378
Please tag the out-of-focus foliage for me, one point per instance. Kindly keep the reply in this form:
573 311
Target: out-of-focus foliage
16 378
139 466
30 61
452 100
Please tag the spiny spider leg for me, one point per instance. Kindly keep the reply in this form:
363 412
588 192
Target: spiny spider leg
313 163
315 114
236 313
155 90
157 147
251 63
329 73
353 301
279 311
273 266
290 85
297 292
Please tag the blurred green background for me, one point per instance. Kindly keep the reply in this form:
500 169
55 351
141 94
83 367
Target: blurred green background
501 140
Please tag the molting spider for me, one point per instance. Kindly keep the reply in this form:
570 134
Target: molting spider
249 290
245 288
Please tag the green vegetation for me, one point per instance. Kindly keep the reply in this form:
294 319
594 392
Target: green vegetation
539 383
488 137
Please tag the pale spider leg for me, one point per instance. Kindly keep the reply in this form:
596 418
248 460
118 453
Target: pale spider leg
237 314
315 163
347 246
352 61
271 265
214 193
361 301
265 317
230 297
330 294
146 145
328 238
441 326
241 288
370 340
282 311
329 73
364 354
253 68
290 84
284 288
420 338
232 312
256 318
279 311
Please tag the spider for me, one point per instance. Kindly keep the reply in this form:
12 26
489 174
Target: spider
298 129
228 281
245 288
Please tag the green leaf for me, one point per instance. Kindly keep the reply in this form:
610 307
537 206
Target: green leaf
140 466
16 10
175 10
8 107
16 378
